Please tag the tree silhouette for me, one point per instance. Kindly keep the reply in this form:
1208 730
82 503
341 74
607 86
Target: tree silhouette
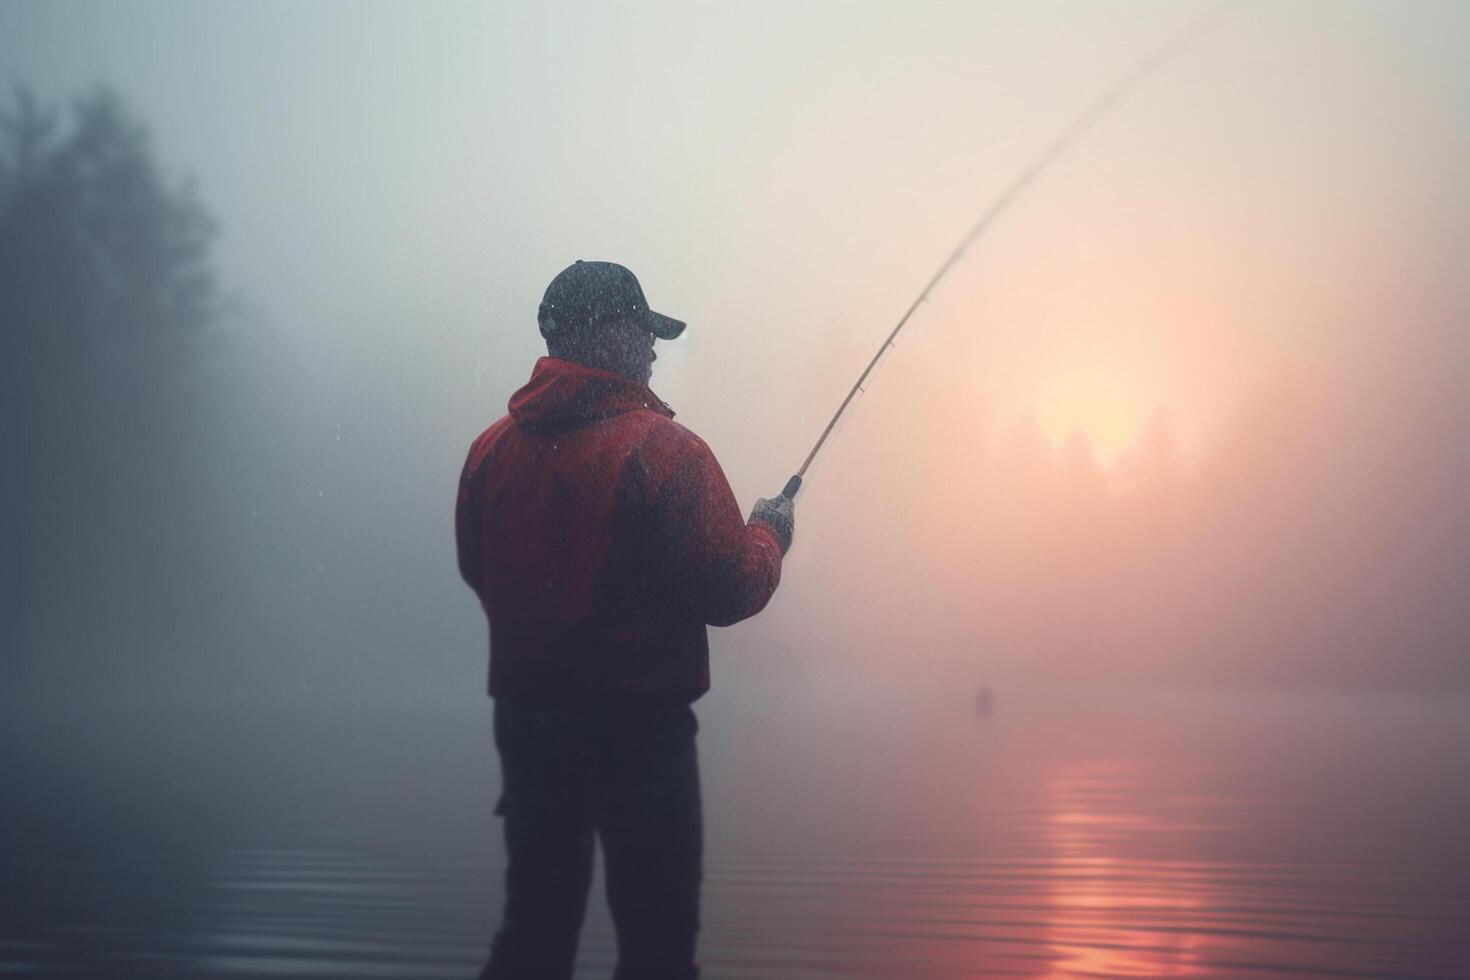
104 278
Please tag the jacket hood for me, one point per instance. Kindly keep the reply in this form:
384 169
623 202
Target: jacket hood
563 395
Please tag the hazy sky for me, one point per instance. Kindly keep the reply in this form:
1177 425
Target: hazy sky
396 183
785 175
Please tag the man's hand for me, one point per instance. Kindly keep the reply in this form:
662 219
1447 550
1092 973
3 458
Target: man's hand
779 515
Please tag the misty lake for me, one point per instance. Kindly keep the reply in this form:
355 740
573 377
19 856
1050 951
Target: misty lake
860 833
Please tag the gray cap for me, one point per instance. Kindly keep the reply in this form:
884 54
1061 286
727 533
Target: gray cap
586 293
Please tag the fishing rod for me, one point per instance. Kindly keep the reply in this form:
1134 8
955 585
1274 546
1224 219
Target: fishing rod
1111 97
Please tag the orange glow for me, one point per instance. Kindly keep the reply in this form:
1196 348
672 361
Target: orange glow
1094 404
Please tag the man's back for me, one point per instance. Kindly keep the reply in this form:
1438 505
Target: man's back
601 537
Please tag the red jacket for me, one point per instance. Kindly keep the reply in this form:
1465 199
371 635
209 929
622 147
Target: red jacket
601 537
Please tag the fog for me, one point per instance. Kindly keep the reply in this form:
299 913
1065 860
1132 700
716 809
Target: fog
1193 412
1192 417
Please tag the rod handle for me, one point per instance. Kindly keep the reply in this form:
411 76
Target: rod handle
792 486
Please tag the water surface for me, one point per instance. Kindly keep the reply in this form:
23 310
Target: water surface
868 836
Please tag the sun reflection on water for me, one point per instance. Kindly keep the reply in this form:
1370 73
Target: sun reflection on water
1106 907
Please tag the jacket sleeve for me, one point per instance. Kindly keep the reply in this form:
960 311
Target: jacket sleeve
468 509
728 569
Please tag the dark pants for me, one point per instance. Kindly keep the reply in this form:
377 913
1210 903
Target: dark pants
632 777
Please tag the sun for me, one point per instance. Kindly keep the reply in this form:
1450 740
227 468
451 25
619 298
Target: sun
1091 403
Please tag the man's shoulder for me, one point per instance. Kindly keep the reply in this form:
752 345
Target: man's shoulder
664 436
651 435
483 442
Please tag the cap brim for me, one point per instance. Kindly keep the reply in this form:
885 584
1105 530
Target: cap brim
663 327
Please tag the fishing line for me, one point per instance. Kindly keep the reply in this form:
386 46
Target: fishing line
1110 99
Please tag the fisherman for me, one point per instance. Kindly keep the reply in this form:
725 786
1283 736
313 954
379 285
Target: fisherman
602 538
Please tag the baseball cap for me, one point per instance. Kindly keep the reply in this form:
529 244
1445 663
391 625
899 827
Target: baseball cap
585 293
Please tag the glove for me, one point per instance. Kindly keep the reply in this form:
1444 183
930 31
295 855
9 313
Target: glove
779 515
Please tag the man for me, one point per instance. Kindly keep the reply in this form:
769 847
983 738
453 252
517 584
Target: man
602 538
